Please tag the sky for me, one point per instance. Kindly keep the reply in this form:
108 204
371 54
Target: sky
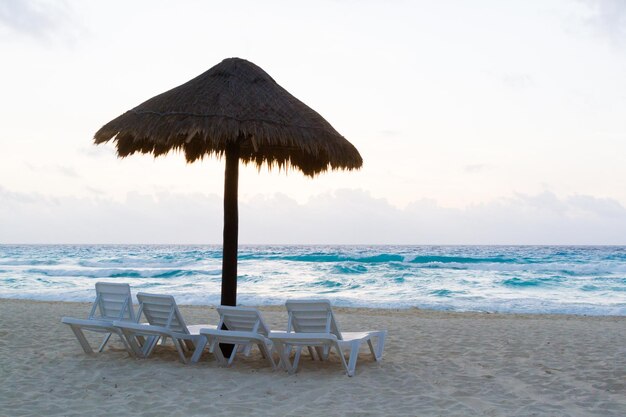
482 122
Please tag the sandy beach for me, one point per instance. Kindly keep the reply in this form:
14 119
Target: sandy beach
435 364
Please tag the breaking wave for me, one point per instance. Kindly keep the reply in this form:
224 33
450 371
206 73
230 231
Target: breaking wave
528 279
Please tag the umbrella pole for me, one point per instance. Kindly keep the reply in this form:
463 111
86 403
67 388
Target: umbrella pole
231 232
231 226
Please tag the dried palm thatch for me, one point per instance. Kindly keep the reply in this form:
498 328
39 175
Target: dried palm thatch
234 109
233 102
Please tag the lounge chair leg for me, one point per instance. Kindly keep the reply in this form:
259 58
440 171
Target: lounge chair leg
219 355
104 342
183 344
232 355
133 342
200 344
371 346
150 344
326 352
380 345
267 354
81 339
296 359
127 346
343 360
179 348
354 355
284 351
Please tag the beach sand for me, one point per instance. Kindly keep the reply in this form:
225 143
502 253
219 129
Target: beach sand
435 364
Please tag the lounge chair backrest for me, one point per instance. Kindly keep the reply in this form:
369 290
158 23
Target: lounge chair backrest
242 319
113 302
161 310
311 316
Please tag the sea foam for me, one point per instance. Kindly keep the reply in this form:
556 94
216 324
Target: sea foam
522 279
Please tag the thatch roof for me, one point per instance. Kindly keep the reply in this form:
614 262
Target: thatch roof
233 101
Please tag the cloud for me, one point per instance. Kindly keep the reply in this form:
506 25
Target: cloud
517 81
165 218
58 169
542 202
608 17
97 152
389 133
66 171
475 168
40 19
342 217
598 207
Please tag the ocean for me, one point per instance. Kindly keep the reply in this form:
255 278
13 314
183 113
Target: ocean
515 279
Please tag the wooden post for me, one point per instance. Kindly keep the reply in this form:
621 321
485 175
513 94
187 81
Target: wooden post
231 226
231 234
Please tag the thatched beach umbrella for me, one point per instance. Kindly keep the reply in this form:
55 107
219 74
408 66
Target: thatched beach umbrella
234 109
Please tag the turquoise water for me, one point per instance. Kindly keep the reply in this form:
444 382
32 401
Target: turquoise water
523 279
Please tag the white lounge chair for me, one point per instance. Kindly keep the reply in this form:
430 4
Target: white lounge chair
164 321
312 324
246 328
113 303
